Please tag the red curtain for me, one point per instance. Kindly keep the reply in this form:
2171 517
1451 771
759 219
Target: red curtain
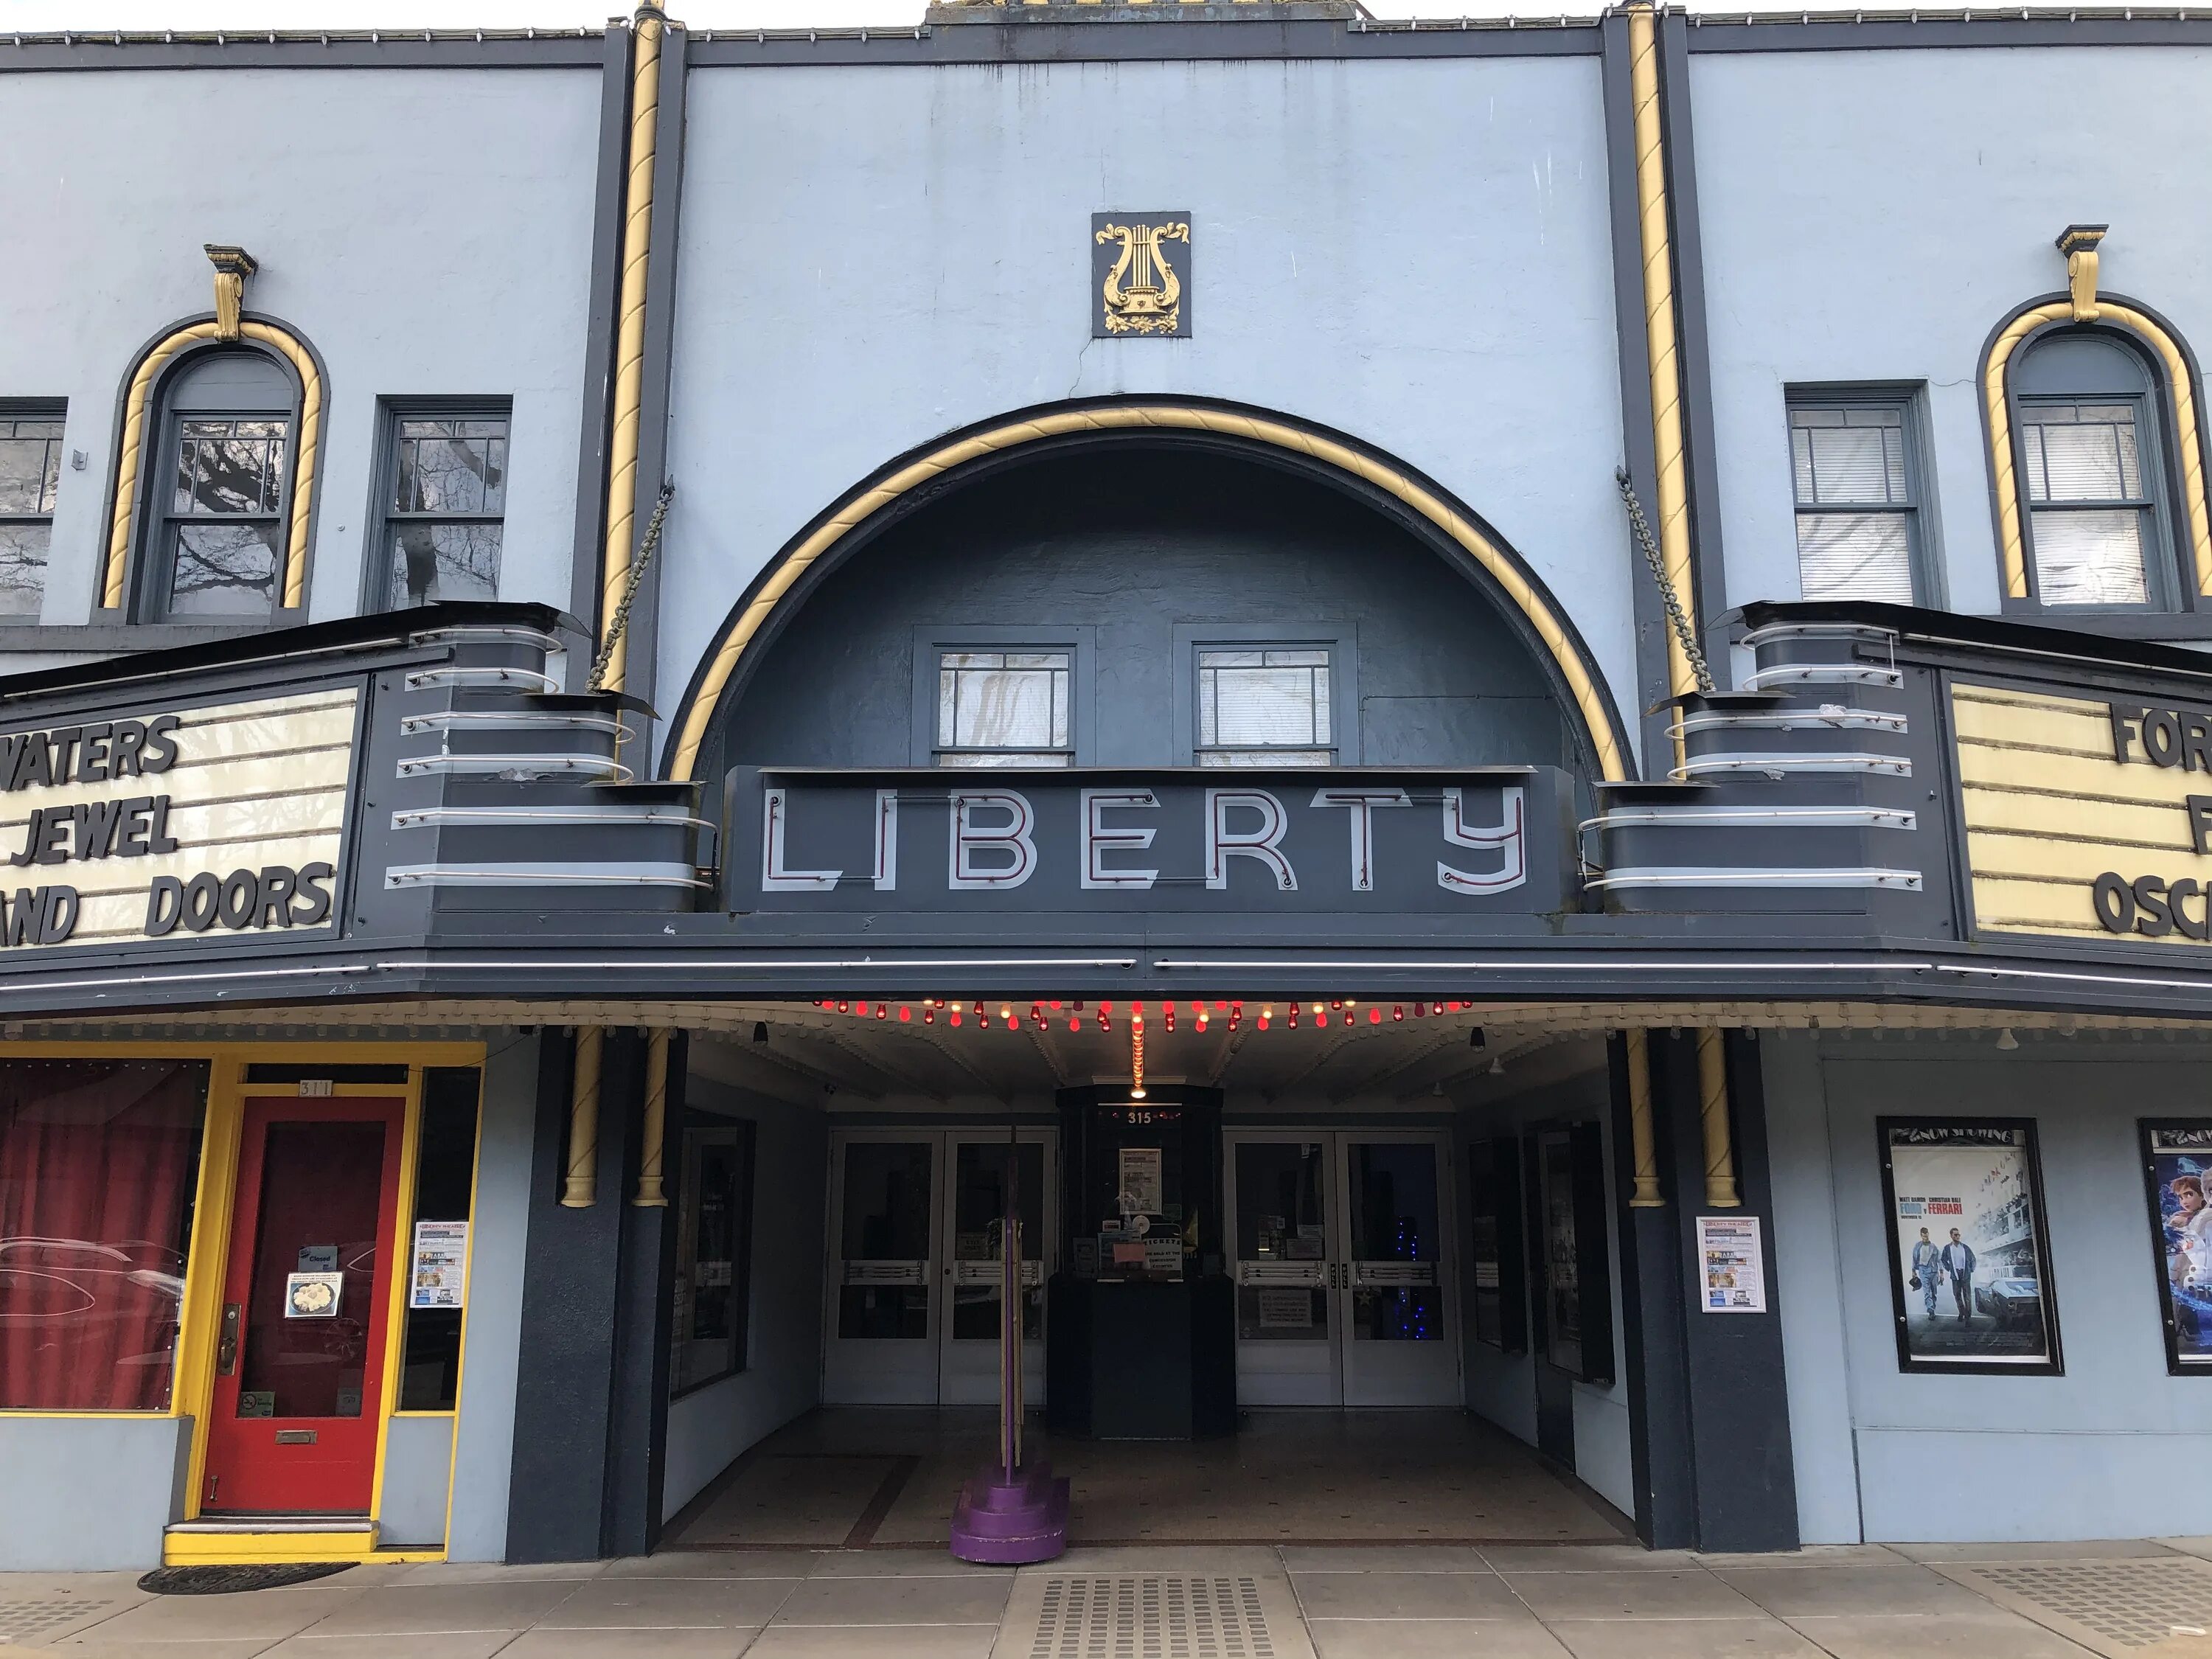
97 1162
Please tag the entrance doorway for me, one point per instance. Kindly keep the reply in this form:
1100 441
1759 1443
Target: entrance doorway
299 1352
913 1310
1341 1251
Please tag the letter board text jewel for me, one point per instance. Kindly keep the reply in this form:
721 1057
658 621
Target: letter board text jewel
210 821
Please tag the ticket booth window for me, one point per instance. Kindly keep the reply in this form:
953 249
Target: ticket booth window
98 1164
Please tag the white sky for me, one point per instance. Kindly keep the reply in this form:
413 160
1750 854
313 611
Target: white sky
50 14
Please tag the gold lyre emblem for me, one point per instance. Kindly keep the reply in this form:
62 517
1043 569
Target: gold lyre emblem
1143 291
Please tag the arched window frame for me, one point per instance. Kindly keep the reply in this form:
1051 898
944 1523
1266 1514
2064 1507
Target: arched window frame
2182 583
127 576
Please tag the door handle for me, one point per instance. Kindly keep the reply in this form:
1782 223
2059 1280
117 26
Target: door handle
226 1349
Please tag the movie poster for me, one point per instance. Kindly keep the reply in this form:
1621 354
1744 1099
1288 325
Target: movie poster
2179 1163
1970 1282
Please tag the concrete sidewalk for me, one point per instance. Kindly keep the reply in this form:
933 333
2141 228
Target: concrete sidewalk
2125 1600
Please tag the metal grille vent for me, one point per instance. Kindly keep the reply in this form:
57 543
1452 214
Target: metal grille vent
1152 1616
37 1615
2133 1603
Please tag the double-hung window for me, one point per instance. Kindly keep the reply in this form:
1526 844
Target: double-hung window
2092 513
1853 464
1005 707
1262 705
2091 457
444 506
30 475
225 489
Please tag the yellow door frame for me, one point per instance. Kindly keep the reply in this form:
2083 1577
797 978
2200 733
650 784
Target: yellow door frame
207 1263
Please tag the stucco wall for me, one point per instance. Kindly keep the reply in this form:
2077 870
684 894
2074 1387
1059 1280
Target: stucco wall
1872 215
2100 1452
1416 253
427 232
1438 678
85 1494
710 1426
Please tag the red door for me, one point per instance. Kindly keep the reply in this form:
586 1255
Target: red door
299 1353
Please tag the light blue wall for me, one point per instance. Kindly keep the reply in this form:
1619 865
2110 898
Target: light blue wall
709 1426
483 1448
428 231
2103 1451
1873 216
87 1494
418 1463
1417 253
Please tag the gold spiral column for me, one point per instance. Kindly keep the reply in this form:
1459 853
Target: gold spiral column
624 439
581 1189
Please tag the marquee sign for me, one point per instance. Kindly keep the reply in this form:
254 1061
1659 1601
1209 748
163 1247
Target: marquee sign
205 821
1195 840
2086 820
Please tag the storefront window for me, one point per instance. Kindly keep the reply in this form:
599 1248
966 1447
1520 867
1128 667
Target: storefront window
98 1162
445 1176
713 1255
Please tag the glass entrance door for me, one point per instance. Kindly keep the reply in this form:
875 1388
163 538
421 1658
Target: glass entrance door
913 1294
1343 1269
967 1362
880 1348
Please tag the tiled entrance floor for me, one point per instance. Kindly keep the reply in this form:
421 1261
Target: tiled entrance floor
1594 1602
862 1478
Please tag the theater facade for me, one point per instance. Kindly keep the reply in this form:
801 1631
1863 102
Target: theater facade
1226 717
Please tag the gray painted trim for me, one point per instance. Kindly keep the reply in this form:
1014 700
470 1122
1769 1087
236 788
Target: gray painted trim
136 576
1794 32
78 50
2189 616
1641 457
664 252
1342 639
928 640
1088 42
1693 356
391 408
1924 517
599 349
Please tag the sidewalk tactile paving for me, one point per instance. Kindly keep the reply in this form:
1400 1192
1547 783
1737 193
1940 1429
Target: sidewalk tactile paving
22 1618
2126 1603
1150 1616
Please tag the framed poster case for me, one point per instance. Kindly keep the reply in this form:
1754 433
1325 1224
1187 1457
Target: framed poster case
1968 1249
2177 1155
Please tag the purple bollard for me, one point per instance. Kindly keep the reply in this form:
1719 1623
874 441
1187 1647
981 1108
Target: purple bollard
1012 1513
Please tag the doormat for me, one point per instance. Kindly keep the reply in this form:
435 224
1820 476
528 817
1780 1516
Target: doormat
2117 1608
230 1581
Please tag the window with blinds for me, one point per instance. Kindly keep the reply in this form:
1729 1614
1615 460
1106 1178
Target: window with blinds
2090 465
1264 706
1004 708
1857 511
2091 511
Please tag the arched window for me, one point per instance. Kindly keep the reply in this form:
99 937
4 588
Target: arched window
2092 454
221 476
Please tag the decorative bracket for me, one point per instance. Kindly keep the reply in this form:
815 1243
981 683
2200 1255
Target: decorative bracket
233 265
2079 243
